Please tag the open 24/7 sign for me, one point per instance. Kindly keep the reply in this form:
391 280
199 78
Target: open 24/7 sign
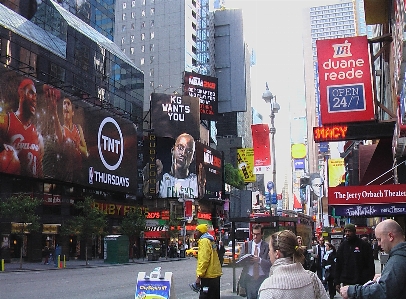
345 80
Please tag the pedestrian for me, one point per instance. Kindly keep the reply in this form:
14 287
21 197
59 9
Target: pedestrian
208 270
46 255
329 265
318 253
135 251
221 250
256 268
288 278
307 260
355 261
391 282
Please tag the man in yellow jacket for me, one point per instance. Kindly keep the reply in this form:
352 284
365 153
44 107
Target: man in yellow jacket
208 269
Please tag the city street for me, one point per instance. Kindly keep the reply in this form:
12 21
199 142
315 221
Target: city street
112 281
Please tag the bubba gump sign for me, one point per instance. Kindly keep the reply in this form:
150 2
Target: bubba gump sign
372 194
345 80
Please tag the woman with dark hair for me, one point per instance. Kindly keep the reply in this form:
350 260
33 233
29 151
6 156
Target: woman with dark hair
288 278
329 264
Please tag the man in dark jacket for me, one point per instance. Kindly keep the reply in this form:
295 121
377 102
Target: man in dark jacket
391 283
221 250
355 261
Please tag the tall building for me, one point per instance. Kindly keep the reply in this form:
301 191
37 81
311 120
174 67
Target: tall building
323 22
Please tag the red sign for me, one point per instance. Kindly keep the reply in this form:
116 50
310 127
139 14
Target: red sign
165 215
260 141
345 80
153 215
372 194
206 216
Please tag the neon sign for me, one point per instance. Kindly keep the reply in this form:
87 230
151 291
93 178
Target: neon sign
331 133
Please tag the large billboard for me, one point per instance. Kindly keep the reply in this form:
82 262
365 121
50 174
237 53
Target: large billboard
210 172
173 114
205 88
45 133
174 167
345 80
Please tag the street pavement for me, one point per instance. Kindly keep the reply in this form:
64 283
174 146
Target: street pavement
14 266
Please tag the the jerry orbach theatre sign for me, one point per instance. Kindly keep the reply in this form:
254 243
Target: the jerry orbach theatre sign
372 194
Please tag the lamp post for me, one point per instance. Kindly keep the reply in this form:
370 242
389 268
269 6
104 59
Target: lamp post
271 99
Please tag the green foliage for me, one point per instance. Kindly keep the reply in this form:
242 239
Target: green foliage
90 221
133 223
233 177
173 224
21 208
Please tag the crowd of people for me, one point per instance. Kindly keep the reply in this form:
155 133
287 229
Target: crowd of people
283 267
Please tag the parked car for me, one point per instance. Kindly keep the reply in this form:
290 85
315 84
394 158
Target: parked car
192 251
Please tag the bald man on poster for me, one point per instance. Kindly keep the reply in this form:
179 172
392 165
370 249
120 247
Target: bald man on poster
391 283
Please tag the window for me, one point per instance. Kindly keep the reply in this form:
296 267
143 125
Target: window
142 61
132 15
151 83
132 26
123 50
124 5
123 16
143 24
151 47
152 35
151 59
142 36
151 72
123 28
132 51
152 11
132 38
152 23
123 40
143 48
133 3
143 13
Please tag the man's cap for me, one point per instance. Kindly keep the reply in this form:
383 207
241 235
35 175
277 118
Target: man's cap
202 228
350 227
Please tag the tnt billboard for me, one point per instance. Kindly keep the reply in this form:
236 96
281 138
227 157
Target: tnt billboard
46 133
205 88
345 80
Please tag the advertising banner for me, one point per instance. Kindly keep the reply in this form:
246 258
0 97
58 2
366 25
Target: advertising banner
260 141
245 164
372 210
210 172
371 194
299 164
345 80
336 172
204 88
46 133
172 115
153 288
175 168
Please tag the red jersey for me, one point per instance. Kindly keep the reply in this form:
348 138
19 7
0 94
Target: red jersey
26 142
72 135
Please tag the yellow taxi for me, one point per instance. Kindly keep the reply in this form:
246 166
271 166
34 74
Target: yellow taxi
228 255
192 251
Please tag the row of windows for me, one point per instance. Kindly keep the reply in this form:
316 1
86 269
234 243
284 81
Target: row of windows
133 2
143 24
143 14
330 7
332 20
132 37
329 29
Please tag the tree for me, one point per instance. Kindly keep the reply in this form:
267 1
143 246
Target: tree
21 208
233 177
133 223
90 222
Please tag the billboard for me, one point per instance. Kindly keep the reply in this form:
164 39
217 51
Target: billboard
175 168
204 88
245 164
46 133
345 80
172 115
336 172
210 172
262 152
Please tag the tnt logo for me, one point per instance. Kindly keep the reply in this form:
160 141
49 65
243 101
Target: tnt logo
342 50
110 143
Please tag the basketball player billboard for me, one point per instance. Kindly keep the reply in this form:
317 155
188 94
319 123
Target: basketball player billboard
173 114
45 133
210 172
205 88
175 168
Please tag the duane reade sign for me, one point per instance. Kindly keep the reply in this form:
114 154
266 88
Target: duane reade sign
345 80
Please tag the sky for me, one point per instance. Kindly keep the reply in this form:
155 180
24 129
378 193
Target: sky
272 28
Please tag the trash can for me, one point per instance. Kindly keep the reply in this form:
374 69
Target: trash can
116 249
182 253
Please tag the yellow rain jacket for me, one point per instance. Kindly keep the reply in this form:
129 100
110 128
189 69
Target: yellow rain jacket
208 263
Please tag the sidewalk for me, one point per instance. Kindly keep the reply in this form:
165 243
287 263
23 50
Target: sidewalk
14 266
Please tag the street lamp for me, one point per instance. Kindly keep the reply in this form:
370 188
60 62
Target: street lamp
271 99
